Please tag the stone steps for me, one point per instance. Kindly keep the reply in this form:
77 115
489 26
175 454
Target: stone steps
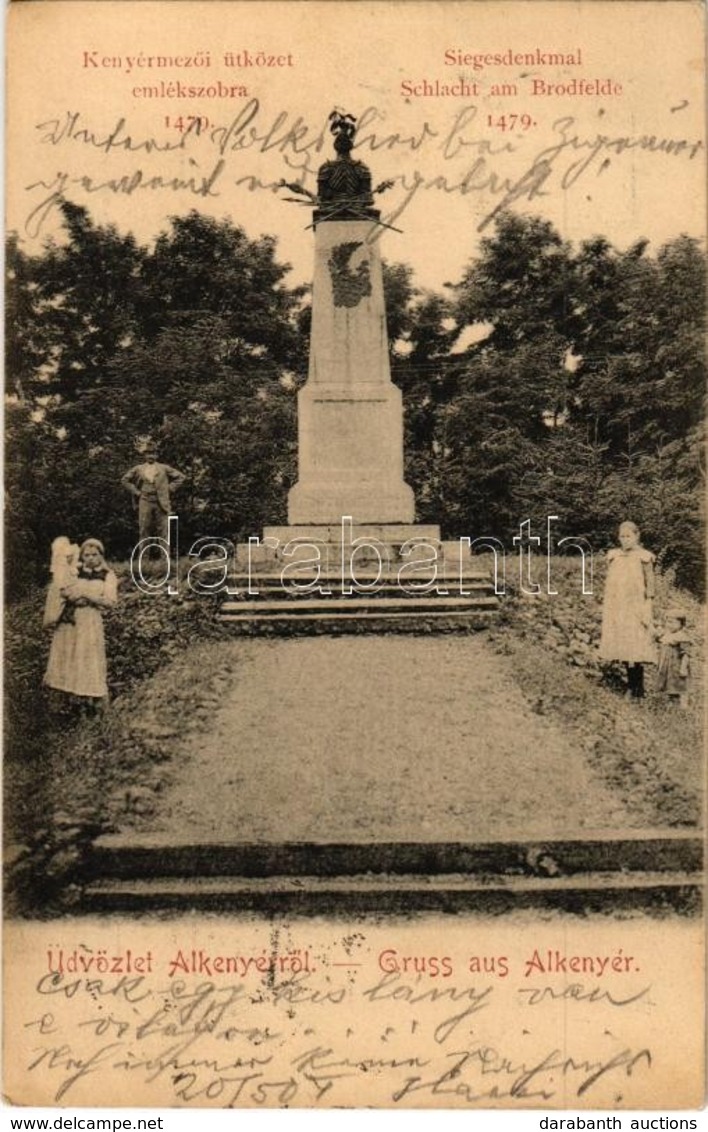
452 573
371 620
356 606
380 596
134 855
292 587
394 893
366 584
373 611
133 872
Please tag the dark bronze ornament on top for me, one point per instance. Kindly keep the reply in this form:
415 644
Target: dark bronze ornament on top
344 185
344 189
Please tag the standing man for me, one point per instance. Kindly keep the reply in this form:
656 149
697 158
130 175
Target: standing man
149 483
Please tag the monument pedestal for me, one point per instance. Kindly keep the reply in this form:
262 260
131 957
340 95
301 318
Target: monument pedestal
350 414
390 534
351 456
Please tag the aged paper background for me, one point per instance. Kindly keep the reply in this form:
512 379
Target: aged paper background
350 1030
353 1032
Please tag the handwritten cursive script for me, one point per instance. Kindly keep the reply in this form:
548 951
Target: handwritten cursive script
456 158
312 1039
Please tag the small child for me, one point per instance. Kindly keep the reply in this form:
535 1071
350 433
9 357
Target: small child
64 570
674 664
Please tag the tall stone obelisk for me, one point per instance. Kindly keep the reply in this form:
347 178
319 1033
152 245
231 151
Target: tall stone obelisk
350 414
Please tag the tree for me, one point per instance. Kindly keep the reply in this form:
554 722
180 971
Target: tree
194 343
580 391
86 307
420 367
205 266
521 284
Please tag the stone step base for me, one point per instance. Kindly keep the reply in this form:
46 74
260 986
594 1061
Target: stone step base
312 588
657 869
133 856
362 604
392 545
374 612
371 620
396 893
447 574
367 621
343 624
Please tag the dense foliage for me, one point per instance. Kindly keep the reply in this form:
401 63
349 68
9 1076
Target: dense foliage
193 344
555 381
549 380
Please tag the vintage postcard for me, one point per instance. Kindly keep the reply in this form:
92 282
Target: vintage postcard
354 573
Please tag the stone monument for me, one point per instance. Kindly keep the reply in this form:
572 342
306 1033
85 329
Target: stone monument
350 500
350 414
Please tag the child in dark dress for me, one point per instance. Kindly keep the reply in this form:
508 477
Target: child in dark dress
674 666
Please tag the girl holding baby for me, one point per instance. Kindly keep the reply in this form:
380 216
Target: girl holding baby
82 588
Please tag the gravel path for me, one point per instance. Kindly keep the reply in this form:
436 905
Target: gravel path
376 739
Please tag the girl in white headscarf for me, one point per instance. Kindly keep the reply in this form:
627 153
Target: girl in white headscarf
77 656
